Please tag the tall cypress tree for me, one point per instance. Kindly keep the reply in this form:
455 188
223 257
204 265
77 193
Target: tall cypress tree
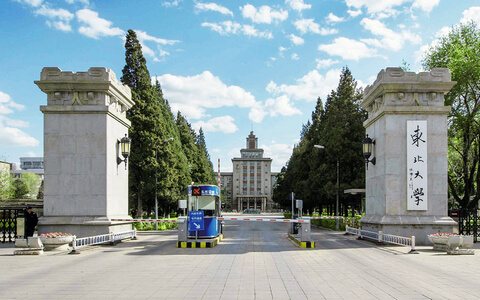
146 119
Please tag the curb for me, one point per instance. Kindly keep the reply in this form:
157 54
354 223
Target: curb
301 244
209 244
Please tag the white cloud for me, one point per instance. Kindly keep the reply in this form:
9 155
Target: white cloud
96 27
171 3
354 13
10 135
420 53
294 56
281 51
273 107
263 15
389 39
85 2
59 25
14 137
144 37
331 18
309 87
308 25
213 7
229 27
298 5
280 154
296 40
381 9
425 5
61 17
473 13
192 95
223 124
348 49
325 63
34 3
7 104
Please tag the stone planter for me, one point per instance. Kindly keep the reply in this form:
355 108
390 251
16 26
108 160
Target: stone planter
61 243
440 243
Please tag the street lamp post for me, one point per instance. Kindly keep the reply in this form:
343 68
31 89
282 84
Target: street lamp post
156 181
338 187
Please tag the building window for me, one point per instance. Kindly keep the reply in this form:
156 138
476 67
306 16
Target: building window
259 178
259 163
251 170
244 163
244 178
251 184
244 185
252 163
244 192
259 185
252 178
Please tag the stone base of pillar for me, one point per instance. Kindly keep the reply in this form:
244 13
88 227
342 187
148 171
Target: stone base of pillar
407 226
82 226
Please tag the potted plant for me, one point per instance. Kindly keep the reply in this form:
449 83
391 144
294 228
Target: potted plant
58 241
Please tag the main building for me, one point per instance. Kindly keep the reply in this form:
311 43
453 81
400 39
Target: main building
250 184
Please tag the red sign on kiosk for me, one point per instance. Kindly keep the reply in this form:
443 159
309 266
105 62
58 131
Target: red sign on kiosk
196 191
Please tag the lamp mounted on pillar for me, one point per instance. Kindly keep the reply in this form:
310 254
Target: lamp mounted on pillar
367 150
125 149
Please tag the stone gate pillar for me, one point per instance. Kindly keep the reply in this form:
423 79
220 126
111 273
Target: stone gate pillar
406 191
83 120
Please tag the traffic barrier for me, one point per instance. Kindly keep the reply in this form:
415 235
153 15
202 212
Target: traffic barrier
263 220
384 238
110 238
150 220
329 217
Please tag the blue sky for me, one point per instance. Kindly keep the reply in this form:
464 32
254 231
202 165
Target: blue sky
229 66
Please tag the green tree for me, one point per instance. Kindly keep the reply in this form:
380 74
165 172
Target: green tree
145 131
338 126
459 51
33 183
6 185
21 189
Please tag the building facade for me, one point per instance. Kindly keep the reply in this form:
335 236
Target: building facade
250 184
31 165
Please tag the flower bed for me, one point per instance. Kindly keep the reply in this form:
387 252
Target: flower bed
56 240
440 240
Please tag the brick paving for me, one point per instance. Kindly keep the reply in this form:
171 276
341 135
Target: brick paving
255 261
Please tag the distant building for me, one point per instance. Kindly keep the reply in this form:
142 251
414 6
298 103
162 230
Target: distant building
251 183
31 165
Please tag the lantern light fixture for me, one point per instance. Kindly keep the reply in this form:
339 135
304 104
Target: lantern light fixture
367 150
124 149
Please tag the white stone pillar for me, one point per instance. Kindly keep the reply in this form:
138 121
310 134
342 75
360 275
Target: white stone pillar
83 121
397 99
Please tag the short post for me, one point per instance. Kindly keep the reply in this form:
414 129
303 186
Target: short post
112 238
412 250
380 237
134 234
359 237
74 246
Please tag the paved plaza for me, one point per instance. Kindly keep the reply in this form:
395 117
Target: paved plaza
256 260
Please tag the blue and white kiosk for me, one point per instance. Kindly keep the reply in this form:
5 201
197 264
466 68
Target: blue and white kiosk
205 198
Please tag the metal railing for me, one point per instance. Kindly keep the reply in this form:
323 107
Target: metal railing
384 238
102 239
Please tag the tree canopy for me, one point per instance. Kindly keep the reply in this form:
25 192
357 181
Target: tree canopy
311 173
162 147
460 52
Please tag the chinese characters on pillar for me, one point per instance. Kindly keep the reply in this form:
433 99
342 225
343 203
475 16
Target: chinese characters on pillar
417 177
